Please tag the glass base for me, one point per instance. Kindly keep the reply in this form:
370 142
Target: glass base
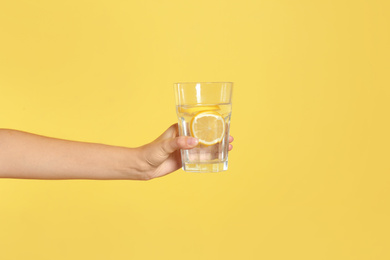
205 167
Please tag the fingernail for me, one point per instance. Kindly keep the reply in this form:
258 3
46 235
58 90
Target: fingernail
192 141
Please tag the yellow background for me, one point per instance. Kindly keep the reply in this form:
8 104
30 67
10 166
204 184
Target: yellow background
308 177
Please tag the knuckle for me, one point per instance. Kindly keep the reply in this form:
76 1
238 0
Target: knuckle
180 142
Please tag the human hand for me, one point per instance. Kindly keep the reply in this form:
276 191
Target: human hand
162 156
30 156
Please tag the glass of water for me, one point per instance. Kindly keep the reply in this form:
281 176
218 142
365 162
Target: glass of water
204 110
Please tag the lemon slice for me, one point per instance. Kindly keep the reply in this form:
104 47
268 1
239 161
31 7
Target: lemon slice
197 109
208 127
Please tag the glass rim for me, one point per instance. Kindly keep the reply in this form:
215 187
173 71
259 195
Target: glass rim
216 82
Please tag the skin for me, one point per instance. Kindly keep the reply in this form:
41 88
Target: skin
29 156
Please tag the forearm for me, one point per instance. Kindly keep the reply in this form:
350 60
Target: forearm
29 156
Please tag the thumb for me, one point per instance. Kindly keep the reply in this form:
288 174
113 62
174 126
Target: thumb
180 142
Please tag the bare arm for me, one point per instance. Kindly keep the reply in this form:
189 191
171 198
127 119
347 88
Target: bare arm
25 155
30 156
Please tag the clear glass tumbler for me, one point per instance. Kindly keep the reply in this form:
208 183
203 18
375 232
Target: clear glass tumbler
204 110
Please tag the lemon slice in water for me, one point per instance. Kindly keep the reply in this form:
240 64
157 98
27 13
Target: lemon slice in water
208 127
196 109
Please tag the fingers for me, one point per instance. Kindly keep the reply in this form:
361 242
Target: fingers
173 131
171 143
181 142
231 139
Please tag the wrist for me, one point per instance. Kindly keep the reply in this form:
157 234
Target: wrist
134 165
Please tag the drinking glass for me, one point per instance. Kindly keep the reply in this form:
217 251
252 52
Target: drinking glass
204 110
